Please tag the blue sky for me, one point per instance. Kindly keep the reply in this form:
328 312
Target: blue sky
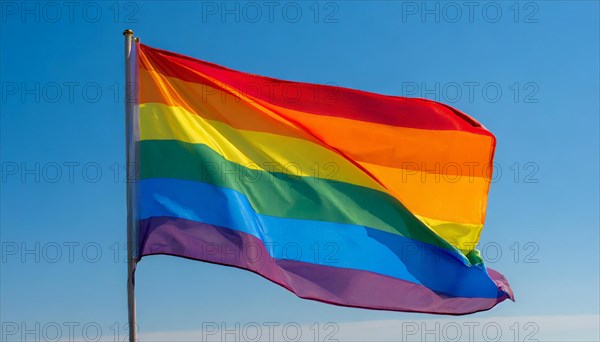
529 71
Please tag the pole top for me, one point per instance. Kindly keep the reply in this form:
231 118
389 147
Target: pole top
128 32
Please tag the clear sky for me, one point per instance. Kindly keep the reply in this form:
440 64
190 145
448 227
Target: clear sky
529 71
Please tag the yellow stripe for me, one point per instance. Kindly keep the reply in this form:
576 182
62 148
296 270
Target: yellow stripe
435 195
255 150
436 200
463 236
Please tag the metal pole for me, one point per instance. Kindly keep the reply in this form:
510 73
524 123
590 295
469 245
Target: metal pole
130 158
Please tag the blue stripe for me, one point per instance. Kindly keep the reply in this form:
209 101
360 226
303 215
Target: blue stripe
317 242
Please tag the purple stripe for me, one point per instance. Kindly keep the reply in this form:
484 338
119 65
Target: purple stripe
340 286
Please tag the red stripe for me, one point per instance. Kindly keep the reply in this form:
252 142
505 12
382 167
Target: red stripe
318 99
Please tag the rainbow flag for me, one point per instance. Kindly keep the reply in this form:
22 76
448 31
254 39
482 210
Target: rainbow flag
338 195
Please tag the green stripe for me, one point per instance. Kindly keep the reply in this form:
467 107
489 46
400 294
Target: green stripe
284 195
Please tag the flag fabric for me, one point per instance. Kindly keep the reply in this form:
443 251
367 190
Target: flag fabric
338 195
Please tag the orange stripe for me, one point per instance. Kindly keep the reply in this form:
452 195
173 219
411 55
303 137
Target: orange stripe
211 104
432 151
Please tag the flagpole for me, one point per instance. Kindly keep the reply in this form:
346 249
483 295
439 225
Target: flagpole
130 91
